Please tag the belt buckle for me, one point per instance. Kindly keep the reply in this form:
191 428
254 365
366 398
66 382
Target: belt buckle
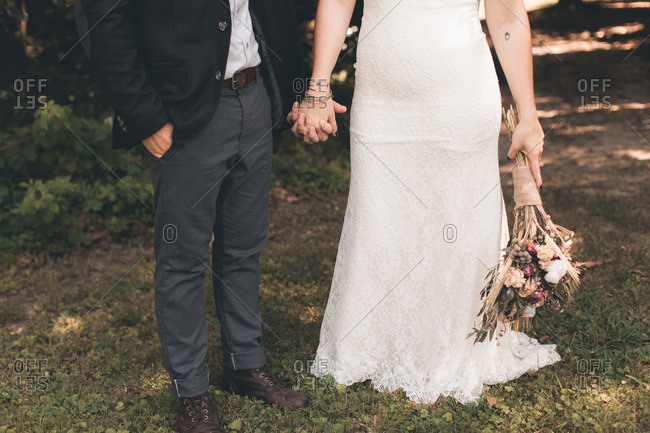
233 85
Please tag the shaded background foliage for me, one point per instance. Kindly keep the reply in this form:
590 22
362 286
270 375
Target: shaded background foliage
60 181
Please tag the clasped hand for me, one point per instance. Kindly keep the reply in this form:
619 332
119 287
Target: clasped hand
315 119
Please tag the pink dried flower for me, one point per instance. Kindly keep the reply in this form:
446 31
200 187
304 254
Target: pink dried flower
531 247
514 278
528 289
545 252
536 299
527 270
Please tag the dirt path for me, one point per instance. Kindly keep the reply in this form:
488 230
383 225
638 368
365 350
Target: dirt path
593 94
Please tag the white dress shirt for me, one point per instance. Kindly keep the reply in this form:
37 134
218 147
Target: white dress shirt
243 46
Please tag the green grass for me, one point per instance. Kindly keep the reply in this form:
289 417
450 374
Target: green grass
107 375
89 335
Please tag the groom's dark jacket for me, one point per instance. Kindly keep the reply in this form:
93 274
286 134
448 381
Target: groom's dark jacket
163 60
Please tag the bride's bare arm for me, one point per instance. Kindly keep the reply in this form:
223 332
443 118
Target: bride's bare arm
509 28
332 21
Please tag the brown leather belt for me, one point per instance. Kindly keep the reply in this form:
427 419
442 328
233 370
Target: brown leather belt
240 79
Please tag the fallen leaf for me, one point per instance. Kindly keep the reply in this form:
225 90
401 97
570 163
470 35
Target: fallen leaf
100 235
283 194
235 425
23 259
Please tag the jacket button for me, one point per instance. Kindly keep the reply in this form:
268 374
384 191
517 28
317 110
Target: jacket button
218 75
120 122
223 25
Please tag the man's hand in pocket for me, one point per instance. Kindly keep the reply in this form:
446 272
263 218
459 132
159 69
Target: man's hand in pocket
161 141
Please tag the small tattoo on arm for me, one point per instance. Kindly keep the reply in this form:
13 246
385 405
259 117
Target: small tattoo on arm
507 36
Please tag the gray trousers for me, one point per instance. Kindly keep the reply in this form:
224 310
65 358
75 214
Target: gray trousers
216 183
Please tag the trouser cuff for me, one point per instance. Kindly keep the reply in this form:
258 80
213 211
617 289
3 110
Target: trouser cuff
194 386
244 361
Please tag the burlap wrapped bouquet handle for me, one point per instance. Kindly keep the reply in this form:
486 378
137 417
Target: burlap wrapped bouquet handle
525 188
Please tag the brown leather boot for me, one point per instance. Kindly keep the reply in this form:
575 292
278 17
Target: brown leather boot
260 383
197 415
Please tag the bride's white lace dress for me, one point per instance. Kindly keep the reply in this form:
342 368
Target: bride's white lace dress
425 215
